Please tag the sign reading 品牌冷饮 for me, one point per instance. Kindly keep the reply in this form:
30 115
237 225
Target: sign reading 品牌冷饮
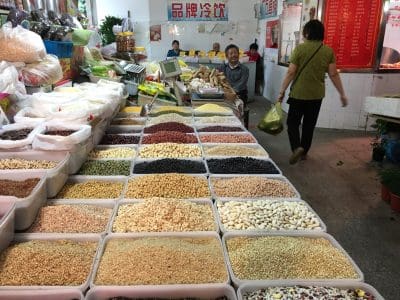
197 10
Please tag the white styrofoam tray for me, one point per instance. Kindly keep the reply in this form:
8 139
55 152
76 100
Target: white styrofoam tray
279 174
238 282
27 208
42 294
225 230
7 219
252 287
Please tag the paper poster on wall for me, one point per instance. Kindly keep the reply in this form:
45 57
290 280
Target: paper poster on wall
272 34
268 8
290 30
155 33
390 58
198 10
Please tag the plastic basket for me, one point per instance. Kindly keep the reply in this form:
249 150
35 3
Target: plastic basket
60 49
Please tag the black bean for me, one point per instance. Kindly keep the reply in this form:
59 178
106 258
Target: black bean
120 139
169 165
241 165
14 135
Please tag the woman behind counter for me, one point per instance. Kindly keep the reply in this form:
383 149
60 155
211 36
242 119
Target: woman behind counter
175 51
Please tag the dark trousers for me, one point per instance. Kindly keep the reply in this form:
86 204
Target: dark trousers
306 111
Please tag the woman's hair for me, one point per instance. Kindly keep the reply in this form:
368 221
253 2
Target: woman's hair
175 42
254 46
231 46
314 31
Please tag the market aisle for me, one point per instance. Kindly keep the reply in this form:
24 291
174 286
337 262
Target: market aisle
341 185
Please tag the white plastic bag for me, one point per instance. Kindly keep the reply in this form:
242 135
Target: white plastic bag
56 142
9 81
28 115
7 144
20 45
46 72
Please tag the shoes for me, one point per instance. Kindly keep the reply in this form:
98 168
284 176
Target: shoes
296 156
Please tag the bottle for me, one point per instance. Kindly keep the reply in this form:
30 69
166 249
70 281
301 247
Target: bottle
127 24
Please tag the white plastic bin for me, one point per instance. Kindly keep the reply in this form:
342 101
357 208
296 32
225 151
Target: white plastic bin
42 294
7 219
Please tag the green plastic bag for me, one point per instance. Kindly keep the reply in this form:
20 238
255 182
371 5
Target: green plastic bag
272 122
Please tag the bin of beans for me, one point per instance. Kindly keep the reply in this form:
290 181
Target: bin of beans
170 165
217 120
312 291
172 185
106 168
210 109
170 137
128 121
42 293
112 152
215 138
18 135
127 129
267 215
242 165
252 187
220 128
98 189
170 150
29 193
165 215
292 256
72 218
129 111
165 110
169 126
120 139
168 259
49 261
172 117
7 219
194 292
224 150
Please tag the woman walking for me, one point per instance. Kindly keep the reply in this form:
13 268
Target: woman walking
306 74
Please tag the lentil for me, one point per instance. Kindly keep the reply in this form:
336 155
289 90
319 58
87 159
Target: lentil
127 121
18 163
120 139
170 150
173 117
53 263
164 215
168 186
71 219
160 261
241 165
283 257
60 132
170 166
251 187
119 152
308 292
217 120
169 137
232 150
267 215
220 129
169 126
91 189
212 108
14 135
19 189
106 168
227 138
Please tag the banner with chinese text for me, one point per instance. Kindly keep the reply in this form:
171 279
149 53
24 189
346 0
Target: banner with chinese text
198 10
268 9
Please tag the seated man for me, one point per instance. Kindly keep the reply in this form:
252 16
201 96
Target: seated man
236 73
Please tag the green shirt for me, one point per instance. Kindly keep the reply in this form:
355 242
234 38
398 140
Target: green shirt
311 83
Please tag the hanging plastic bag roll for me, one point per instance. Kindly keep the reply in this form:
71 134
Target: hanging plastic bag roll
56 142
272 122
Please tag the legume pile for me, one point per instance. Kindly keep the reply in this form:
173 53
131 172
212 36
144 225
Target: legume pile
127 121
71 219
308 292
14 135
120 139
169 137
230 150
163 260
227 138
217 120
19 189
119 152
18 163
267 215
282 257
251 187
220 129
106 168
164 215
241 165
170 166
60 132
37 262
173 117
170 150
169 126
168 186
91 189
210 108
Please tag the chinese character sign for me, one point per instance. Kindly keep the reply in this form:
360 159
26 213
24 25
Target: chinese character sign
268 8
197 10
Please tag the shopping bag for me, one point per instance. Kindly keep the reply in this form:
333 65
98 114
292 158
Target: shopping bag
272 122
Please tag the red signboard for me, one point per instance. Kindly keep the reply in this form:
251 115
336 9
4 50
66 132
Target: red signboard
351 29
